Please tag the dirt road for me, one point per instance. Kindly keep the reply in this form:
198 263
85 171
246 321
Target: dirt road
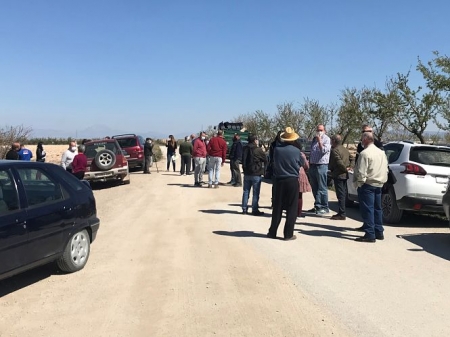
174 260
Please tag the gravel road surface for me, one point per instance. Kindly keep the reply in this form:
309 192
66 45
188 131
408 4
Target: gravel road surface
174 260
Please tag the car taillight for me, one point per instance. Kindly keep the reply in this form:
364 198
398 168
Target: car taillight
124 161
415 169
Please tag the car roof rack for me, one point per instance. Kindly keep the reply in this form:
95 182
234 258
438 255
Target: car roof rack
124 135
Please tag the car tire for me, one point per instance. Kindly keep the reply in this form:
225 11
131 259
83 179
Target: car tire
105 159
391 213
348 202
76 253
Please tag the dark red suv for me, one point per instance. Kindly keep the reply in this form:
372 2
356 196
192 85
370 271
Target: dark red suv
134 146
106 161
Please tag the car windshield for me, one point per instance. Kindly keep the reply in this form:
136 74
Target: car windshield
127 142
430 156
94 148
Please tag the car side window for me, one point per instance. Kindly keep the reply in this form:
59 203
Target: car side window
39 187
9 200
393 152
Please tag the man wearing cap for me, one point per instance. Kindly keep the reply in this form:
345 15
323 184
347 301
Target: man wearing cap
287 160
318 168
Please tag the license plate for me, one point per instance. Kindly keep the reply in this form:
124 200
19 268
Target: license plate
442 180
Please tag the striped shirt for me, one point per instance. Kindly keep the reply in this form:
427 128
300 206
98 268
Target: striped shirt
320 156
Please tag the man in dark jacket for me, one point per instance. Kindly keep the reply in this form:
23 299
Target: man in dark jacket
338 166
287 160
235 160
254 160
185 149
13 154
148 155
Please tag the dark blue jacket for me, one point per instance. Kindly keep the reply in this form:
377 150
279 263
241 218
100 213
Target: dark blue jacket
287 160
236 150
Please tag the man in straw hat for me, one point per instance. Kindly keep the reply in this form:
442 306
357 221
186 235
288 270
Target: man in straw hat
287 160
318 160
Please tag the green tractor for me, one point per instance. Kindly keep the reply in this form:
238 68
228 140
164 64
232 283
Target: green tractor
229 130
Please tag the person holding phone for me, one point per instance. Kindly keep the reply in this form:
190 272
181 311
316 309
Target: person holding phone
171 145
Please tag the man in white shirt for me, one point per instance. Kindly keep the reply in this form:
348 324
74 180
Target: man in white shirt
68 155
370 174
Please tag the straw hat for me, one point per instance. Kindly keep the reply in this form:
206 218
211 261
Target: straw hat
289 135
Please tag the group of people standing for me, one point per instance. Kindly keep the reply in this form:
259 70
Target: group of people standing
328 159
20 152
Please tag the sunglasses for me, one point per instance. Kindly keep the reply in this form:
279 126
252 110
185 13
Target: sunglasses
367 131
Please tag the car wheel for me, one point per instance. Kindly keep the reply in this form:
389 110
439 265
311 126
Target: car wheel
105 159
391 212
348 202
76 253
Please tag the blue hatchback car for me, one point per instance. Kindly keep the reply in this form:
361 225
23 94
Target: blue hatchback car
46 215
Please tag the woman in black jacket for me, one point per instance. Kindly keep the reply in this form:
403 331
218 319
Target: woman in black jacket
171 145
40 153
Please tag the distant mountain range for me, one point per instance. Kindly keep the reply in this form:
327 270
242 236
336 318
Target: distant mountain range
97 131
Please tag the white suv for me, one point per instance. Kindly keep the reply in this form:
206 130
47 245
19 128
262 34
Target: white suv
422 173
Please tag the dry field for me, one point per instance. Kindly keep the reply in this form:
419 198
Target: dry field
54 152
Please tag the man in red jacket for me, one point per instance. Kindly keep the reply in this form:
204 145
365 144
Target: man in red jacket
199 156
217 151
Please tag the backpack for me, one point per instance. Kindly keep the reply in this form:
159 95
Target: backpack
250 165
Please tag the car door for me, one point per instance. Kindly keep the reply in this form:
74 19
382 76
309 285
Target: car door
13 227
50 212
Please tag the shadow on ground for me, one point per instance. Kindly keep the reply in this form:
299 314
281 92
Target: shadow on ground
437 244
105 185
185 185
228 211
328 230
241 234
27 278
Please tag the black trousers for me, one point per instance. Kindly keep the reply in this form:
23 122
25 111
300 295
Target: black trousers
185 164
340 186
236 172
147 161
285 196
79 175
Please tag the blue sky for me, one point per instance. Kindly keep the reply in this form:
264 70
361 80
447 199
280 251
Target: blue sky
174 66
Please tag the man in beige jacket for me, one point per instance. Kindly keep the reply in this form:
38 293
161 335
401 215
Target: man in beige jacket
370 174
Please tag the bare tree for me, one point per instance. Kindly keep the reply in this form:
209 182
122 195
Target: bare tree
350 115
11 134
313 115
288 115
414 109
437 76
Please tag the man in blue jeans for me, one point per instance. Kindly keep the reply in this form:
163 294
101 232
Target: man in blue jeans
254 160
318 168
370 174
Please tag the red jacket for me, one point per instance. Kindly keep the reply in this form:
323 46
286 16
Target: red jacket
199 148
217 147
79 163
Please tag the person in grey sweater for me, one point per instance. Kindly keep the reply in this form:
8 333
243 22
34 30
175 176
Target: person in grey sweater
287 160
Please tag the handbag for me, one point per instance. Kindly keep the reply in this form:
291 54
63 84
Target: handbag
174 157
